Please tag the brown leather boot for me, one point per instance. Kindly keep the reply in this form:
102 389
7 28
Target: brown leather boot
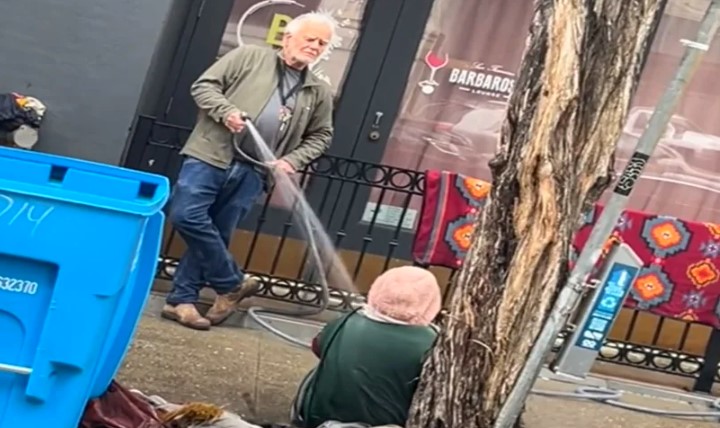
226 304
186 314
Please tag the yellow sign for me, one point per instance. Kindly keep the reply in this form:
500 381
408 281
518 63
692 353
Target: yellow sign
277 28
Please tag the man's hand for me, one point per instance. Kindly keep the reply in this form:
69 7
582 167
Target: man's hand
282 165
234 122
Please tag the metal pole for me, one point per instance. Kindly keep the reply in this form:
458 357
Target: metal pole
608 219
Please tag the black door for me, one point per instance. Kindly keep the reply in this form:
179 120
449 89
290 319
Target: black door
361 216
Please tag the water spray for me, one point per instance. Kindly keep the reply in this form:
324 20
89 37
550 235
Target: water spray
305 224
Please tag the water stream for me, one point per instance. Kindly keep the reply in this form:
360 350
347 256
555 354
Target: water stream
323 252
326 262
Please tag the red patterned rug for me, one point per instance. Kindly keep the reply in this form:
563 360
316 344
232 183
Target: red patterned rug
679 279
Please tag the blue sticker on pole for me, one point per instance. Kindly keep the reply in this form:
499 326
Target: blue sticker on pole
607 305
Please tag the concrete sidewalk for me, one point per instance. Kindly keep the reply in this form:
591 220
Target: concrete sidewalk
255 374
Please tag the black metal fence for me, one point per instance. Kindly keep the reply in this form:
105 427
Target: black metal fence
338 189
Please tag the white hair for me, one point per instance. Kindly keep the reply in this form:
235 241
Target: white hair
316 17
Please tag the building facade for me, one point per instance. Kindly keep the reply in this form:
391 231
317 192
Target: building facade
419 84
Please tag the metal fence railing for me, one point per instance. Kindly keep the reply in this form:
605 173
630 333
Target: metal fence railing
268 245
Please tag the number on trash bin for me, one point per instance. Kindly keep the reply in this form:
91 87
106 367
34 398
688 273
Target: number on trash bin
15 211
15 285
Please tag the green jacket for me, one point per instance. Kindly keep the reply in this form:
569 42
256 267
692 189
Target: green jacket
244 79
368 372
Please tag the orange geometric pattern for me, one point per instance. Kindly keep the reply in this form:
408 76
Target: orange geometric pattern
703 273
649 287
478 189
473 191
666 235
463 236
714 229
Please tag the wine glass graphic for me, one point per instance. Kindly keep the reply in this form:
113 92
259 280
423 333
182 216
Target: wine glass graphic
435 63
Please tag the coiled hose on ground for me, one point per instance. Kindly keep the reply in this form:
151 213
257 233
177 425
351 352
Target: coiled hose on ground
612 397
607 396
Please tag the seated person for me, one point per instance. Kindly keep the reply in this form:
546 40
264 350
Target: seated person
371 359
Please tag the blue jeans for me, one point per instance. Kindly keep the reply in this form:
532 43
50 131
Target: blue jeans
207 204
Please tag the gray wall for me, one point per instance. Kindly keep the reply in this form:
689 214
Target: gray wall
87 60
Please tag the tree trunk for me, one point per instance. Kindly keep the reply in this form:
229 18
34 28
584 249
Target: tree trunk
581 66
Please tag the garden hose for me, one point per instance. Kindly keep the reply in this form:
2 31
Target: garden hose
255 311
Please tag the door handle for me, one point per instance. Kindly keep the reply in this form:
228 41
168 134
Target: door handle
378 117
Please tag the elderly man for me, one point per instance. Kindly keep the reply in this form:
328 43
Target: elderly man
216 188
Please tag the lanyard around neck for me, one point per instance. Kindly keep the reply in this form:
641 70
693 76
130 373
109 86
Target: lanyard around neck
281 82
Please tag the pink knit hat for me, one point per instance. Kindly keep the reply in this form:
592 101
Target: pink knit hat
408 294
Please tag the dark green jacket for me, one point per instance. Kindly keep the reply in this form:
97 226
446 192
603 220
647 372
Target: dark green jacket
368 372
244 80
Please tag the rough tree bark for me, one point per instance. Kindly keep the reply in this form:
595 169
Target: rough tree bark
580 69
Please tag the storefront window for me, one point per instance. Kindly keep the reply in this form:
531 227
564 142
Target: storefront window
681 178
455 101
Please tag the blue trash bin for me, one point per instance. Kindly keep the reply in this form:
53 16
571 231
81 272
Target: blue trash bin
133 302
77 240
